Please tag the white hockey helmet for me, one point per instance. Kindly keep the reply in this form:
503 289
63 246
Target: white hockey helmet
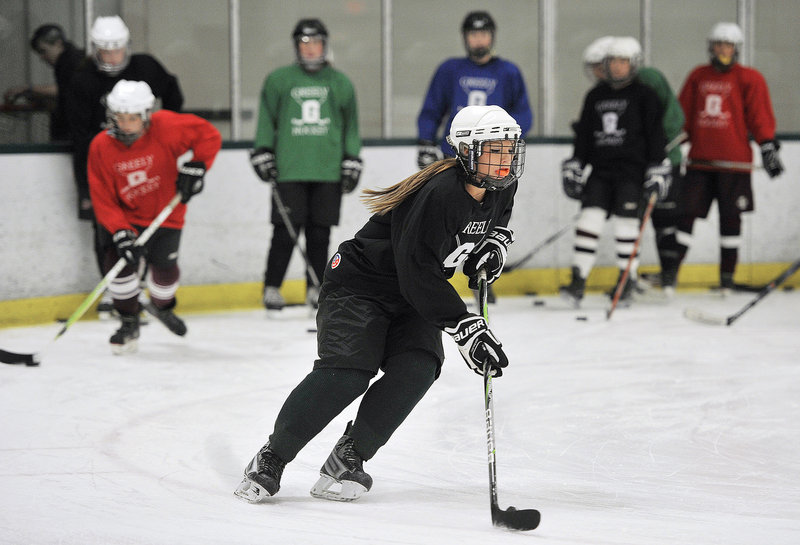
624 47
472 128
593 56
726 33
110 34
129 97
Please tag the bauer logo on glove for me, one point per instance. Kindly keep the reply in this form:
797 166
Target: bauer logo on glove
477 343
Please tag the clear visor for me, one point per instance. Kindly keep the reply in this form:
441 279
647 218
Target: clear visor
111 61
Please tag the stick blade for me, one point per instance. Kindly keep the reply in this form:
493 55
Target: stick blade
697 315
513 519
15 358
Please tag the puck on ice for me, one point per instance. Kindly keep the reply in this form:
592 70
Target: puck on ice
582 318
311 330
538 303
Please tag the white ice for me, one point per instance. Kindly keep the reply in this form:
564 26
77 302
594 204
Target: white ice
645 429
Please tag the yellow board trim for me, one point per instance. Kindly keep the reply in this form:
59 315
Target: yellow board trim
218 297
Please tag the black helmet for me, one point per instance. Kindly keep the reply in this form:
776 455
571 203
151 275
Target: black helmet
304 30
309 27
478 20
49 34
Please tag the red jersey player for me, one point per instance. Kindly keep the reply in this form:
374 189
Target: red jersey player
133 174
725 103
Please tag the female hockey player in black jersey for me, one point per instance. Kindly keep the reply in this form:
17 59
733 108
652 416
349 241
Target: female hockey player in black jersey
386 298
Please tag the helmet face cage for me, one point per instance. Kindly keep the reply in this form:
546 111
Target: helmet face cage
593 57
489 182
110 34
131 98
623 48
306 30
725 33
478 20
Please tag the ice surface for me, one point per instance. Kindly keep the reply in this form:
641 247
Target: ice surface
646 429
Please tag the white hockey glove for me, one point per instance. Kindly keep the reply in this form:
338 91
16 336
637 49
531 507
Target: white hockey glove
657 179
190 179
427 153
489 254
477 343
572 178
351 172
770 158
263 161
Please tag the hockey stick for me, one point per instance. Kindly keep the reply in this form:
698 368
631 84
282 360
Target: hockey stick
549 240
731 165
523 519
624 279
284 212
700 316
35 358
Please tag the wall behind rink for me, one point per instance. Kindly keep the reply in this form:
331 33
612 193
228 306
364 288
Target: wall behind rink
45 250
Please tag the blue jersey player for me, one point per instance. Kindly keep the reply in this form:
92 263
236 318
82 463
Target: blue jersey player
480 79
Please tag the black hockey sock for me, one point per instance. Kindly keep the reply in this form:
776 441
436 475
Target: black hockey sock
318 399
387 403
728 259
317 241
279 255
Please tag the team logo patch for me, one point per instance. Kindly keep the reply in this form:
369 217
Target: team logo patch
336 260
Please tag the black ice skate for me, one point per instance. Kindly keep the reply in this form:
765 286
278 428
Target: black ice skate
262 477
167 317
125 340
344 467
573 293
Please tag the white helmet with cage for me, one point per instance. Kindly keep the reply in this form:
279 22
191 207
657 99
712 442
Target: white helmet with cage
725 33
470 131
593 56
624 47
129 97
110 34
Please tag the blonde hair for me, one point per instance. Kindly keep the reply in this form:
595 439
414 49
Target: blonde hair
382 201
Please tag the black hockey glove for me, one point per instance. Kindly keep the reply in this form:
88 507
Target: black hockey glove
657 179
351 173
263 161
770 158
477 343
572 171
427 153
489 254
190 179
125 242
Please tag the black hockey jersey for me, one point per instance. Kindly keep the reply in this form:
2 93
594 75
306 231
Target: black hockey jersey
620 125
413 250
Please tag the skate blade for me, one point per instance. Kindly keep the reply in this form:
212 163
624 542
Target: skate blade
325 488
655 296
251 491
107 315
570 300
128 348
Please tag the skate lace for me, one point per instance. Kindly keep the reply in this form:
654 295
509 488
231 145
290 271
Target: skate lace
271 464
349 456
